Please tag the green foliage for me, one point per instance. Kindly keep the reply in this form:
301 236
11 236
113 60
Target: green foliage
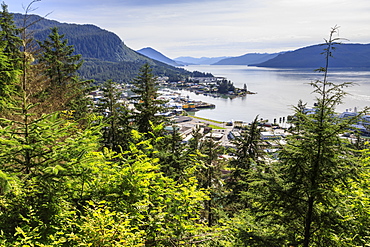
100 226
8 78
156 209
45 155
117 130
57 189
178 162
60 187
300 193
61 64
61 67
146 87
9 58
225 86
249 154
209 176
9 36
57 173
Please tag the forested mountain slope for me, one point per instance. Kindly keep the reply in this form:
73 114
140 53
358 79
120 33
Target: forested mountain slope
105 54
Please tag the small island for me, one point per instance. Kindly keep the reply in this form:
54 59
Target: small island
210 85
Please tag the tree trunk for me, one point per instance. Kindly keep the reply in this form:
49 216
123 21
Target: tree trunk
308 221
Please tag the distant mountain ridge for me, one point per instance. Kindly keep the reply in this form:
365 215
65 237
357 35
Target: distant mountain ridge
107 57
345 55
246 59
198 61
249 58
156 55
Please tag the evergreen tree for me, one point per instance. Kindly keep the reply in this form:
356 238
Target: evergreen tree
146 87
59 59
172 153
10 35
209 176
10 44
8 78
178 160
245 87
117 131
249 154
42 156
225 86
355 196
194 142
299 116
60 67
300 192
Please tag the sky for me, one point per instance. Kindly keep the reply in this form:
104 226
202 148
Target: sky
213 28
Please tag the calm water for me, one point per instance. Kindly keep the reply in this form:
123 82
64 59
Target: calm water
277 91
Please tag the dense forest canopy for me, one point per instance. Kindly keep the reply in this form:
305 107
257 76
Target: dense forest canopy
75 173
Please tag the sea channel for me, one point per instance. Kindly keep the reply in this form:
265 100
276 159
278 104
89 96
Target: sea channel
277 91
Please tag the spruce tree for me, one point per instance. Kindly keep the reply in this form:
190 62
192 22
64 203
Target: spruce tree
148 106
116 116
194 142
10 35
299 193
209 177
8 86
10 44
59 59
249 154
42 156
65 88
178 160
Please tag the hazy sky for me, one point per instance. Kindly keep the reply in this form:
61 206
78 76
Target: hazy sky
214 28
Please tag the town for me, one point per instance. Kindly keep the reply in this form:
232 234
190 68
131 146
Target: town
178 108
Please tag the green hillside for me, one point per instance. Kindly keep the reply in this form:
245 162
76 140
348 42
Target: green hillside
105 54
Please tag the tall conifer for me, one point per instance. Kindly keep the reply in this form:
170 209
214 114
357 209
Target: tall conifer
10 35
300 193
248 152
146 87
116 115
41 154
60 67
